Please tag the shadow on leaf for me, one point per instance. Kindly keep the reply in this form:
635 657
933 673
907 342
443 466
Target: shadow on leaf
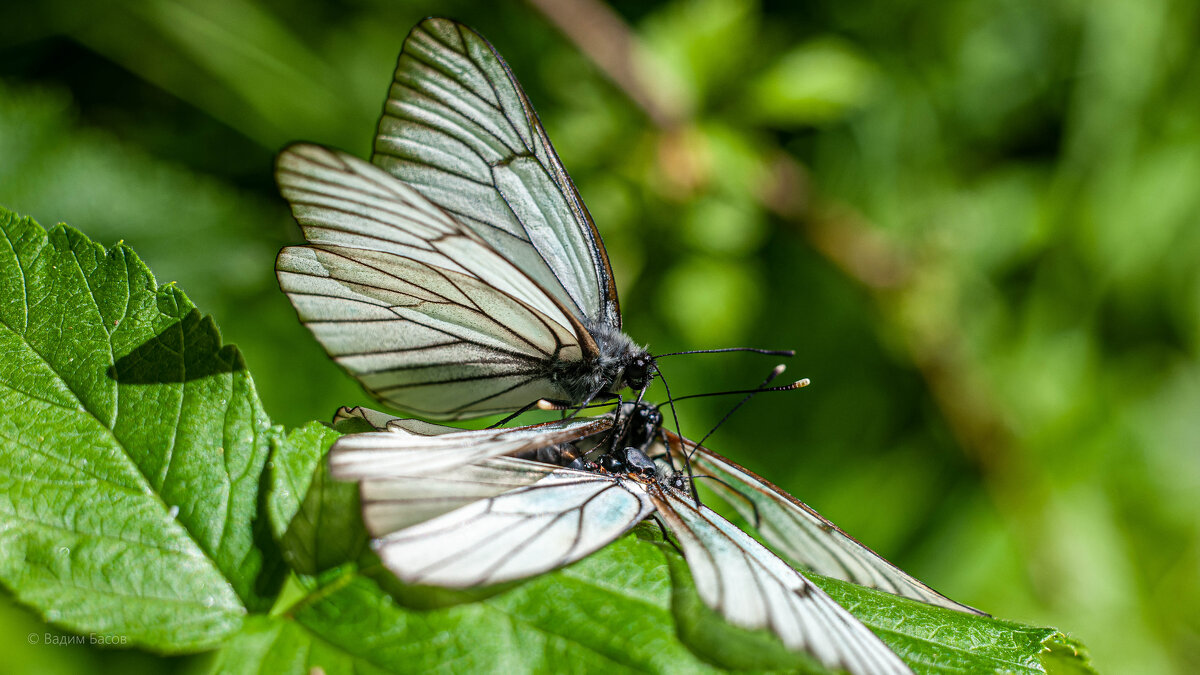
187 350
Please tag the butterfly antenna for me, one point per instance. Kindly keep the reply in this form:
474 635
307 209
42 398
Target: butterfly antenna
753 506
798 384
776 372
687 461
768 352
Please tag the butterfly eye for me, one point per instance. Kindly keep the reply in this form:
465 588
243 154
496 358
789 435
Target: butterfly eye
637 373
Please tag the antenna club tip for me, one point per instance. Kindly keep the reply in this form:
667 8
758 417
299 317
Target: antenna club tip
543 404
803 383
778 370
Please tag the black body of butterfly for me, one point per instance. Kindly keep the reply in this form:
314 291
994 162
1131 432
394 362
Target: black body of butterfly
458 273
472 508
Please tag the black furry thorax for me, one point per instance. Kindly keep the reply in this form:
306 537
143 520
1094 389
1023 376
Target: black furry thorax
621 363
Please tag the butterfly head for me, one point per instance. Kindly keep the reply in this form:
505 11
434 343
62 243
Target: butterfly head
639 371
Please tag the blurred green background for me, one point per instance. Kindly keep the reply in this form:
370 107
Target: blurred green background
976 222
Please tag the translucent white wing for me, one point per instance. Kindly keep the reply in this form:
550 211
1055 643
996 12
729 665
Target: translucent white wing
395 502
519 532
401 453
423 312
804 536
458 127
382 421
752 588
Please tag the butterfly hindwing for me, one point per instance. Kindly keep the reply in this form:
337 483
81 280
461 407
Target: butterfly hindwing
515 533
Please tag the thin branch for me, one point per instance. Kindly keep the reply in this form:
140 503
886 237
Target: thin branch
603 36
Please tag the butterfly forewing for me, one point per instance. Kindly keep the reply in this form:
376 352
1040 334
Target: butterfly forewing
458 127
804 536
422 311
381 454
412 471
754 589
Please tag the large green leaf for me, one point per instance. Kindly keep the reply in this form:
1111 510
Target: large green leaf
133 445
608 612
133 506
314 518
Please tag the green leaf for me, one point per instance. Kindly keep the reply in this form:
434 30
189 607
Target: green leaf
284 647
620 609
717 641
610 611
133 445
314 518
131 506
938 640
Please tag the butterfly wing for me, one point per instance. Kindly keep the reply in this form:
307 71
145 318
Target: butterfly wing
754 589
458 127
399 452
517 519
804 536
422 311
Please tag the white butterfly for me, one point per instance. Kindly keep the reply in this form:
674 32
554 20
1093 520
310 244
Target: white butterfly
499 517
458 274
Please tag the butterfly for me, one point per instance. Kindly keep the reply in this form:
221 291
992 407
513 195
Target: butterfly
462 509
458 273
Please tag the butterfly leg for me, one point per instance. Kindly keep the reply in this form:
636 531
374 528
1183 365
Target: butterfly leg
524 409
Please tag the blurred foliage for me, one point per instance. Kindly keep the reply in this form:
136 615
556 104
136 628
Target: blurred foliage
975 221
